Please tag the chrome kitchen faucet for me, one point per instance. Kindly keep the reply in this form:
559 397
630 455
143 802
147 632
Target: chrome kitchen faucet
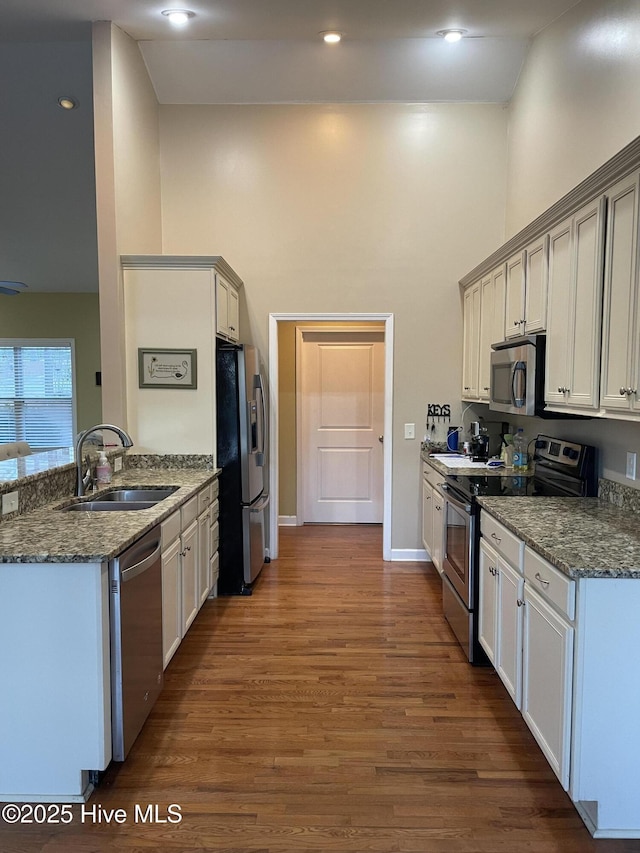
84 480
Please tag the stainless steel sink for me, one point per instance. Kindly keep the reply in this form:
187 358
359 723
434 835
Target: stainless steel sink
122 500
108 506
147 494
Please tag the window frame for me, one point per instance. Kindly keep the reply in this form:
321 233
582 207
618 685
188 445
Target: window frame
25 343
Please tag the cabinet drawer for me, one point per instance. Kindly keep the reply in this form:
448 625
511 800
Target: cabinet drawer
215 489
550 583
189 511
504 541
170 529
433 477
204 499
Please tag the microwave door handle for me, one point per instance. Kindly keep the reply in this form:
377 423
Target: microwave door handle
519 369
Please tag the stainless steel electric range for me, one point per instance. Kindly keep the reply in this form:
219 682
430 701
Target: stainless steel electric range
561 469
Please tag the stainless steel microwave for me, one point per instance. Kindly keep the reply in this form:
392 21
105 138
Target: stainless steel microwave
517 376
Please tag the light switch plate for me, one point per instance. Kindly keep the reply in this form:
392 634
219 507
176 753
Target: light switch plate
409 430
9 503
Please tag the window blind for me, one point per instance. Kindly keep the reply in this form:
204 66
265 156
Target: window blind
37 393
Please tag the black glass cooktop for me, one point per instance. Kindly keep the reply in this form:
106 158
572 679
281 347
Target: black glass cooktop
507 486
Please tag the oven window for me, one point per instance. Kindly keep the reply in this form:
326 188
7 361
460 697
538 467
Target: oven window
501 383
458 541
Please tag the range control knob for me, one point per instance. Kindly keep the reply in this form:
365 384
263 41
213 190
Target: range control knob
570 452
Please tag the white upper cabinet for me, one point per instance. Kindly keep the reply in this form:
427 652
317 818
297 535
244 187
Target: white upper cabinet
535 286
621 321
483 326
526 290
227 310
514 296
492 295
574 310
471 314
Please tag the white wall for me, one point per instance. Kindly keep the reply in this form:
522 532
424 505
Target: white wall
127 189
351 208
577 103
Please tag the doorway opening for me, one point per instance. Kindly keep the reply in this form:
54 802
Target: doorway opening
283 416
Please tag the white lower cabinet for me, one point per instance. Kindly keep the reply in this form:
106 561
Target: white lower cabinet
187 562
547 685
432 515
171 621
568 648
500 618
525 627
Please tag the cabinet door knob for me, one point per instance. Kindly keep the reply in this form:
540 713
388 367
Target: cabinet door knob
520 602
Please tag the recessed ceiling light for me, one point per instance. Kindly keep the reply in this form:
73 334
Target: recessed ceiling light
67 102
178 17
331 36
451 35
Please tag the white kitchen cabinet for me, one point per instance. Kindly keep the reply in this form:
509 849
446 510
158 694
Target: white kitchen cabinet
526 290
574 318
488 607
204 557
471 342
186 566
432 515
547 677
620 369
189 575
535 286
492 307
171 592
500 611
514 296
437 543
227 310
427 515
170 303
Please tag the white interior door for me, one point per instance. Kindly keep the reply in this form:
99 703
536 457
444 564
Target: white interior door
341 388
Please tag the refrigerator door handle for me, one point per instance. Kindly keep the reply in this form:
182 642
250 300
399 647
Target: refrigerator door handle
262 421
260 504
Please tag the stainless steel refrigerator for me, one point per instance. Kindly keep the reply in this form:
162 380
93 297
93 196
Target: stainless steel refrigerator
241 444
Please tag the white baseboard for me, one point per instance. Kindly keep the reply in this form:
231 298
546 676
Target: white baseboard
406 555
287 521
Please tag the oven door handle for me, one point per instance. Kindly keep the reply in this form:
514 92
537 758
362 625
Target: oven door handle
463 505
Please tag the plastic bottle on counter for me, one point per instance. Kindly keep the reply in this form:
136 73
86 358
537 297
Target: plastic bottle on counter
103 469
520 452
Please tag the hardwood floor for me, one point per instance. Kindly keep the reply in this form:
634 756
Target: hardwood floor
331 712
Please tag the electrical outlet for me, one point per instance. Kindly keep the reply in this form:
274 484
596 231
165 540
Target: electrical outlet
9 503
117 464
409 430
631 466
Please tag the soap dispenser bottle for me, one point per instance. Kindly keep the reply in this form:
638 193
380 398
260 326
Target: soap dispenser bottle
103 469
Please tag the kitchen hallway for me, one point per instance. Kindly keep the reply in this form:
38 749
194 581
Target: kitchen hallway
332 711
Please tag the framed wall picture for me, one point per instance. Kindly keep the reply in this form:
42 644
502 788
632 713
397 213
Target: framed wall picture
167 368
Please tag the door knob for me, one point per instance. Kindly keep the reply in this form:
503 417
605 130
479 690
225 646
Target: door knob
381 439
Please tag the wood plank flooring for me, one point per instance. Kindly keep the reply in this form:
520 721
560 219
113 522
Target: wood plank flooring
331 712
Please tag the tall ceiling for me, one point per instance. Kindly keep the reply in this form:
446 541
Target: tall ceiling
261 51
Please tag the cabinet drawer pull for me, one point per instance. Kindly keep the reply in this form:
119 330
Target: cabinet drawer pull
497 538
541 580
438 508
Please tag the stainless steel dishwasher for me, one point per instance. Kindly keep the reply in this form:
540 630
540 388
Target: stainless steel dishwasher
135 580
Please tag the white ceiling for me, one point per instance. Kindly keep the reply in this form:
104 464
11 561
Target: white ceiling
260 51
